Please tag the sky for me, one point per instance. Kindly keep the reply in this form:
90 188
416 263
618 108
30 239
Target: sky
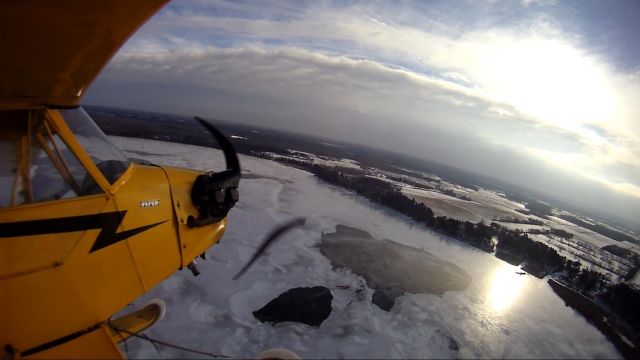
543 94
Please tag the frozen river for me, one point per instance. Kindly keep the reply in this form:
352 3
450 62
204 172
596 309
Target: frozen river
497 314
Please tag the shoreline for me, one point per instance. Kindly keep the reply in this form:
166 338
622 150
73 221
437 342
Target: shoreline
599 317
571 297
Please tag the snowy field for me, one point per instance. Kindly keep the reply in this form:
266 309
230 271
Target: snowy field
483 207
488 206
316 160
498 315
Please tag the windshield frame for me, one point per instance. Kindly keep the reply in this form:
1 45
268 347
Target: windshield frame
109 159
72 142
46 146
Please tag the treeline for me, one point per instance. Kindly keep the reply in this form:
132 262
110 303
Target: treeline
621 330
600 229
454 194
540 259
623 299
488 237
528 221
514 246
622 252
557 232
384 193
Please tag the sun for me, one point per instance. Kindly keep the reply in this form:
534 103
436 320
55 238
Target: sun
548 79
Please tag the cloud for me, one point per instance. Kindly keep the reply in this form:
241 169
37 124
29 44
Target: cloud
517 103
533 66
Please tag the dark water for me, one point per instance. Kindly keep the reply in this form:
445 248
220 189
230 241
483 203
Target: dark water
391 269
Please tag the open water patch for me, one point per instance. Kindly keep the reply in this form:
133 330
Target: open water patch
389 268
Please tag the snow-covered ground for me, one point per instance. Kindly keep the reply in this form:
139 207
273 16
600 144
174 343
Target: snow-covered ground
489 206
483 207
499 315
315 159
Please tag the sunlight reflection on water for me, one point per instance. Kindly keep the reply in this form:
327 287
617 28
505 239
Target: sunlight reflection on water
505 288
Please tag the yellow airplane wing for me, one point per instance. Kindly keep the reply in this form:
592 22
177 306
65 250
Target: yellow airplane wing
52 50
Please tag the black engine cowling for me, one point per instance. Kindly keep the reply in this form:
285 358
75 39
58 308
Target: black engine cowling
214 194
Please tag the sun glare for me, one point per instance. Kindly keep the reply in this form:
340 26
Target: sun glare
506 286
549 80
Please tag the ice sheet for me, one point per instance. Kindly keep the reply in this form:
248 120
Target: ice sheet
499 314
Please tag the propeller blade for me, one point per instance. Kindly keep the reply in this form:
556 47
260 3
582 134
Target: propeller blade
227 148
273 236
215 193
